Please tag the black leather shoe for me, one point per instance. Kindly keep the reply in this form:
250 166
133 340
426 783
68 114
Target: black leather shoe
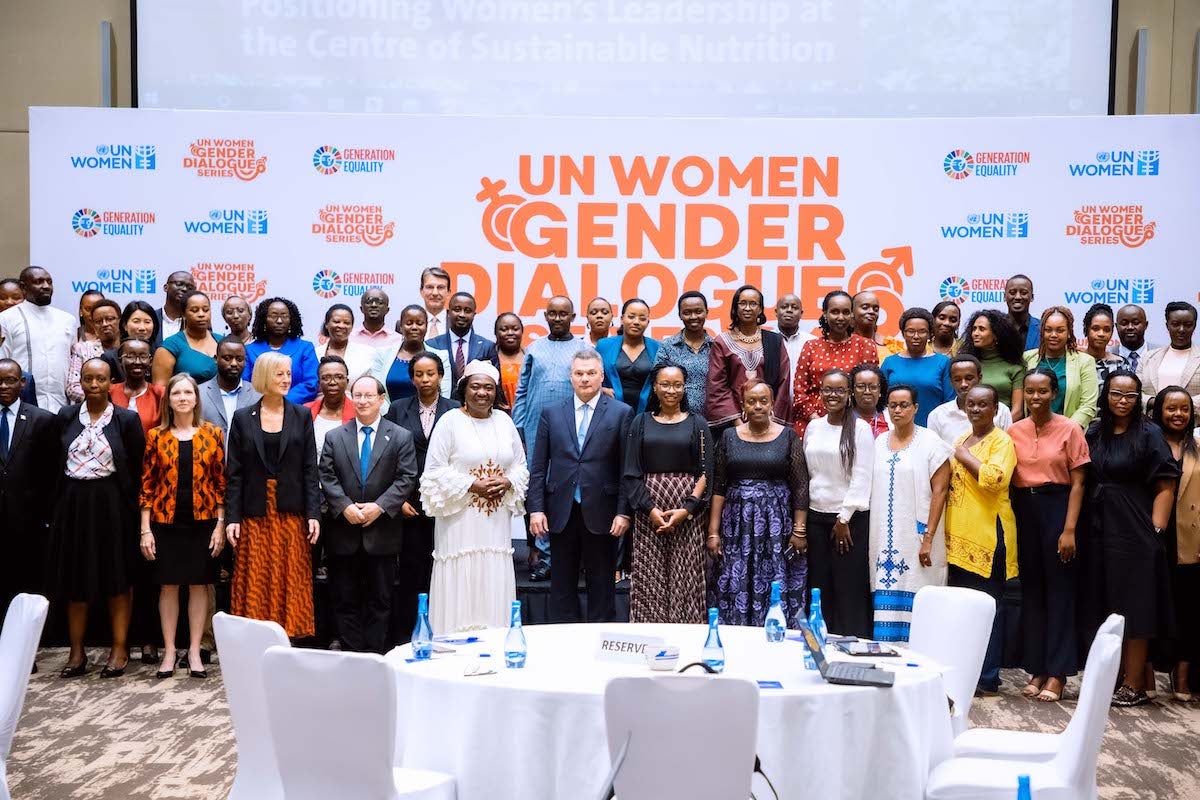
198 673
540 572
164 673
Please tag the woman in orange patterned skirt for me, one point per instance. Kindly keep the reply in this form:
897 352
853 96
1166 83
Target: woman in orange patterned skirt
273 503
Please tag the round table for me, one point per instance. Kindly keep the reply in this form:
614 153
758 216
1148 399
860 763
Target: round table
539 732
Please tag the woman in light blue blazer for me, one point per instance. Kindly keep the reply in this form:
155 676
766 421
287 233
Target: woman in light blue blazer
629 356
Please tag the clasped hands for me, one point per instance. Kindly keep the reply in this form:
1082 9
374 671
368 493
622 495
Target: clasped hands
666 521
491 487
362 513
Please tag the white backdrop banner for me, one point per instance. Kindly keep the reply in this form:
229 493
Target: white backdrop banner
321 207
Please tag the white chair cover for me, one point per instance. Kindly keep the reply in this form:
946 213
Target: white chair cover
1026 745
674 749
1070 775
333 720
18 648
241 643
952 625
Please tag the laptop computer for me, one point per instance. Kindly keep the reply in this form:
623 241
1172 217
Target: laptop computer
841 672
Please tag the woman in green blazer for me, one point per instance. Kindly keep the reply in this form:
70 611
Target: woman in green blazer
1076 371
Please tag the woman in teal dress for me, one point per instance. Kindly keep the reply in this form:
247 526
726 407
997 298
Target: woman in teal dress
193 350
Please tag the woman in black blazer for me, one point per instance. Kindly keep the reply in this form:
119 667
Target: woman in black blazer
273 503
93 539
418 415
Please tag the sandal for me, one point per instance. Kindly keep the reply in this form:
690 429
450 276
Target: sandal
1033 688
1173 681
1049 695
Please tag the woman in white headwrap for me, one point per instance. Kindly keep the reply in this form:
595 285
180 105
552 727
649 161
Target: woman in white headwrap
473 486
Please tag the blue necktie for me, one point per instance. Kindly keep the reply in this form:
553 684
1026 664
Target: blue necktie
583 426
364 458
1133 359
4 433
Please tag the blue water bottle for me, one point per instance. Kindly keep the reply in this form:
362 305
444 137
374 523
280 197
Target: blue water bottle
422 635
514 642
713 653
1024 792
816 619
776 624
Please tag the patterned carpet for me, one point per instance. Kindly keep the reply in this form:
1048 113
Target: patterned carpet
135 737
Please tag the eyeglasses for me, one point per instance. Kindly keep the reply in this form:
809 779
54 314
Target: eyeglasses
748 304
866 387
903 405
359 397
1123 395
830 391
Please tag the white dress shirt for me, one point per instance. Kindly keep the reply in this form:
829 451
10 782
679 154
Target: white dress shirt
359 358
830 489
168 327
49 347
1142 352
374 426
949 421
13 412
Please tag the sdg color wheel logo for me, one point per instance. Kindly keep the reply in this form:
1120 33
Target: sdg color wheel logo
958 164
327 159
954 289
86 222
327 284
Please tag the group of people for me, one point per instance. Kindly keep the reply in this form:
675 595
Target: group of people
703 467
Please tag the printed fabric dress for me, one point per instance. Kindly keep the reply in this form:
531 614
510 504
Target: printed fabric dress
763 483
473 585
900 497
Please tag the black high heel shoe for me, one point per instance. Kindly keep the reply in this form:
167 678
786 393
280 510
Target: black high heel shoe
76 671
110 671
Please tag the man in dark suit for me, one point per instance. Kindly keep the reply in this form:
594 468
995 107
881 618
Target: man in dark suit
575 494
227 393
460 340
418 415
368 469
27 455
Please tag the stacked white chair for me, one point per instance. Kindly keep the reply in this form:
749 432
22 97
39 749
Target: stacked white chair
662 742
333 720
1070 774
952 626
18 648
241 643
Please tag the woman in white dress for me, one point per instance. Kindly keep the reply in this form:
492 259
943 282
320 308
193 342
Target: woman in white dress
474 486
908 495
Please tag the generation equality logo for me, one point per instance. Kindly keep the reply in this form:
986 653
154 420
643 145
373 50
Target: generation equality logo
230 222
990 225
118 157
330 160
328 284
960 164
88 223
981 291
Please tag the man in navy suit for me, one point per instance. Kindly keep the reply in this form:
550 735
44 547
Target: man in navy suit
575 494
460 340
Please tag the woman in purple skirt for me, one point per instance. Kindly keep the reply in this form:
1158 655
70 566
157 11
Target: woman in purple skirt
759 509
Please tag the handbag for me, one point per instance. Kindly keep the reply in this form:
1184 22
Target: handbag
29 393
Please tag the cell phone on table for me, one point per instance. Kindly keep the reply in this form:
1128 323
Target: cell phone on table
864 648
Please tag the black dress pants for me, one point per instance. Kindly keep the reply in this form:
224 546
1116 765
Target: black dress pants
993 586
415 572
360 586
576 547
841 577
1048 586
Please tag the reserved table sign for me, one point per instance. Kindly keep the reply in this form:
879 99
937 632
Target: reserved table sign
627 647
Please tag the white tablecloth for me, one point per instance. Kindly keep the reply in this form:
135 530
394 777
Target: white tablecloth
539 732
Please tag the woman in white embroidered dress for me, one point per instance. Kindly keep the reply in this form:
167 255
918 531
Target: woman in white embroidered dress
908 496
473 486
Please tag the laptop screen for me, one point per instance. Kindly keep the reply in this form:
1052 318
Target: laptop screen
814 645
